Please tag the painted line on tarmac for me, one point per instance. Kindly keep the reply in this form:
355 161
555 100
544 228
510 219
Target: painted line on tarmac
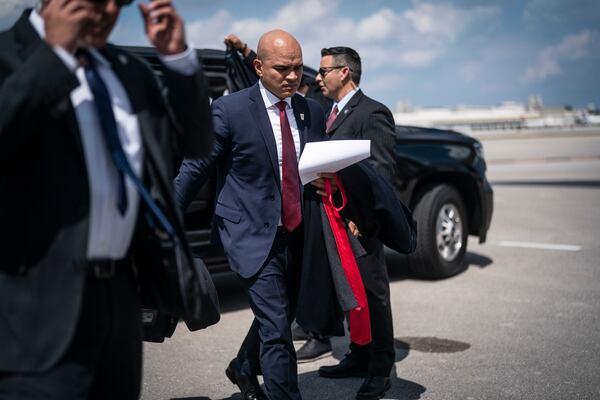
543 246
557 159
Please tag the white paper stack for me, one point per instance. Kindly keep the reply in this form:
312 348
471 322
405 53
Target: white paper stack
331 156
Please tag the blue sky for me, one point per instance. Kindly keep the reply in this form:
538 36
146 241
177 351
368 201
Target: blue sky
425 52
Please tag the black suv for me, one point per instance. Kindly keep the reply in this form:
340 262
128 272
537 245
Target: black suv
441 178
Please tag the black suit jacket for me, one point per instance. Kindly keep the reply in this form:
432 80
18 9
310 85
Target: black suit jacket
44 201
365 118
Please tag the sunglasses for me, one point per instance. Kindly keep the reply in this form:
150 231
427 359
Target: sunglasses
325 70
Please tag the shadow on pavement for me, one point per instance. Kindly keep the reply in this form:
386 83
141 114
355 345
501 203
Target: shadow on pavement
477 260
398 269
428 344
315 387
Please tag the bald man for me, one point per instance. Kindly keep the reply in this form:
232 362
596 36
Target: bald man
260 133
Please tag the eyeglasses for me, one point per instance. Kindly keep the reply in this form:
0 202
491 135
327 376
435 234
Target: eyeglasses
120 3
325 70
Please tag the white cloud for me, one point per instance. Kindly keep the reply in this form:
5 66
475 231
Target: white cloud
210 32
572 48
378 26
8 7
445 21
414 38
10 11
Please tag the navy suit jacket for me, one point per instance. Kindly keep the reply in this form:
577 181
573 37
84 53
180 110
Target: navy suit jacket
248 190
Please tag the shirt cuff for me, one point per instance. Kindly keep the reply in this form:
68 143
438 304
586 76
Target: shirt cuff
185 63
67 58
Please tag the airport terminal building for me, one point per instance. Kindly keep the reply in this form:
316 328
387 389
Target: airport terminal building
507 116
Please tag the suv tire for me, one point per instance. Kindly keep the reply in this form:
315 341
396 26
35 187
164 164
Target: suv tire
442 233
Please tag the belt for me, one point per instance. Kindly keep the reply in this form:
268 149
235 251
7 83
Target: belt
104 268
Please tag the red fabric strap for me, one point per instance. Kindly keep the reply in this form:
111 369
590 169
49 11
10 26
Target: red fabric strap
360 319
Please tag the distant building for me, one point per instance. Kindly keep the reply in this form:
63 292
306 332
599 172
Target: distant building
507 116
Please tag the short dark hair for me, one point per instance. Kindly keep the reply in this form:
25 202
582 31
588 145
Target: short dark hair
347 57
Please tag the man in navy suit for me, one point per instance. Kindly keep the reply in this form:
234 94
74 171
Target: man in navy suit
260 133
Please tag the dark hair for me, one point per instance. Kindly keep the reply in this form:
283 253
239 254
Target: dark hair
347 57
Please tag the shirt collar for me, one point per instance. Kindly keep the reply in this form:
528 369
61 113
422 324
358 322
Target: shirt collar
37 22
269 98
342 103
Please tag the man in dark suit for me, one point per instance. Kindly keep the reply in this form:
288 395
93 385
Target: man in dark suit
260 133
87 151
356 116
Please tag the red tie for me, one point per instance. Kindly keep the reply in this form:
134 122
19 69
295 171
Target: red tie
290 181
331 118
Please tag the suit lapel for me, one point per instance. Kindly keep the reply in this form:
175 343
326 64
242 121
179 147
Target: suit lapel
300 109
134 87
155 172
29 40
133 83
26 36
346 111
259 113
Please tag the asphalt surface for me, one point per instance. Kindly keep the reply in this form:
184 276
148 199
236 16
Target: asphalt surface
521 322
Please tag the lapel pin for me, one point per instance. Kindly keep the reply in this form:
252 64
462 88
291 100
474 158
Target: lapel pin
122 59
346 111
302 116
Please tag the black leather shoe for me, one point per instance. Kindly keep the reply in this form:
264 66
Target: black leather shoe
373 388
298 333
313 349
249 386
347 368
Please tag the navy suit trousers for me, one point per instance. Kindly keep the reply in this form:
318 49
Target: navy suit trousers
268 346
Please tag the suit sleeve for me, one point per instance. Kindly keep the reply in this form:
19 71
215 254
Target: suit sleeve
29 91
380 129
188 103
194 172
319 120
249 61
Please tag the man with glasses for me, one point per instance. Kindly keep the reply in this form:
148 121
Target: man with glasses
356 116
88 143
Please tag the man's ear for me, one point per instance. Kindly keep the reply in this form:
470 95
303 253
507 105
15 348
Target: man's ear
346 75
258 67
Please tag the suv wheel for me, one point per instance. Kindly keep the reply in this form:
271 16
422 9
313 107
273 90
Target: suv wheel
442 233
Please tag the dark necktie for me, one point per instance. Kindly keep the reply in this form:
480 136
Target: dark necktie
108 123
291 216
331 118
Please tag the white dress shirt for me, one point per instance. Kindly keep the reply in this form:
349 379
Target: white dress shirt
270 100
110 232
342 103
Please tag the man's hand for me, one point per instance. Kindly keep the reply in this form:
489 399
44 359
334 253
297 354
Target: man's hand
320 183
164 26
64 20
234 41
353 229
